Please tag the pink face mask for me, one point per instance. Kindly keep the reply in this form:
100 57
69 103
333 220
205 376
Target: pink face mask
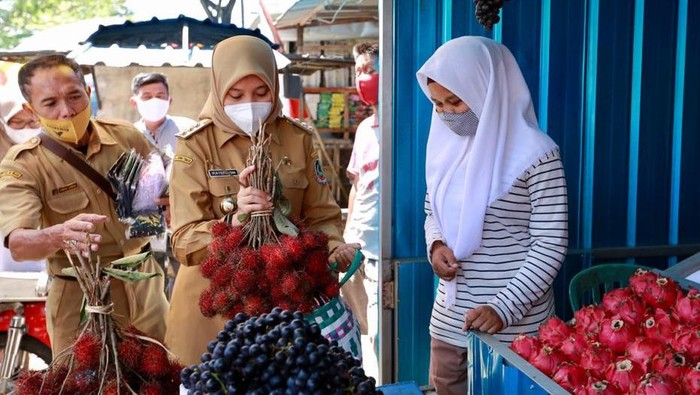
368 88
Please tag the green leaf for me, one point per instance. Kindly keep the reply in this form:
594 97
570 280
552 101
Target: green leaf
132 260
69 271
283 224
128 275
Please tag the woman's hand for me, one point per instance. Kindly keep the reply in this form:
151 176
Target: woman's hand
483 319
250 199
444 262
343 255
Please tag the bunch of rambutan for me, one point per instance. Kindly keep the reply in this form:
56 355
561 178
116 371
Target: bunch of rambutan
144 368
292 274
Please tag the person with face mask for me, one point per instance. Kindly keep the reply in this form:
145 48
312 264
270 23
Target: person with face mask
152 99
210 179
362 226
496 223
51 207
17 125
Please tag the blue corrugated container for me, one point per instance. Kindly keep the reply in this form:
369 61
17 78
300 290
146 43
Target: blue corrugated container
494 369
409 388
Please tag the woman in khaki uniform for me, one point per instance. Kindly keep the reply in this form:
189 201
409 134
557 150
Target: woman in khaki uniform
209 179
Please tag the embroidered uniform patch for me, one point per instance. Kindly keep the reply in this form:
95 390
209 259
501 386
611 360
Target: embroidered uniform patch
318 169
64 188
10 173
184 159
221 173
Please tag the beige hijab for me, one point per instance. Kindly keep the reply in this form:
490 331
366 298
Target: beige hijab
234 58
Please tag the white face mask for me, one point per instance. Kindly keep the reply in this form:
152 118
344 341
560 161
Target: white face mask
19 136
152 110
248 116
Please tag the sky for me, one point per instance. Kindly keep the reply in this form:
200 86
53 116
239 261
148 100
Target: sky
146 9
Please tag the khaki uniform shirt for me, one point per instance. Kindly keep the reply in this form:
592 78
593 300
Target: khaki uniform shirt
40 190
205 172
5 143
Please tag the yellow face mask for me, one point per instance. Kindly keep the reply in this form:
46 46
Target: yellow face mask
68 130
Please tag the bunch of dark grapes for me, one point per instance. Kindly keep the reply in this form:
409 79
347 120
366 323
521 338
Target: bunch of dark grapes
487 12
275 353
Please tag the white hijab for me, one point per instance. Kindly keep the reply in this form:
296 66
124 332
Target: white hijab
484 74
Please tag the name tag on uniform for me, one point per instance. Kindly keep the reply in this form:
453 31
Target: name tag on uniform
221 173
64 188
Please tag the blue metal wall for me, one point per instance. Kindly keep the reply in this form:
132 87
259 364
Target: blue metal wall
612 84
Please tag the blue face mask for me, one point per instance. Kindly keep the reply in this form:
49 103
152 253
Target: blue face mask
463 123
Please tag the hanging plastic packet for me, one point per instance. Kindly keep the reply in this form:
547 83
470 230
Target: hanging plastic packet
139 182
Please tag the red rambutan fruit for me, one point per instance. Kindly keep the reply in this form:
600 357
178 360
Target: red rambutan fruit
222 301
244 280
332 289
255 305
274 256
209 266
293 247
223 276
234 236
250 259
274 274
206 303
28 382
290 283
151 388
314 240
217 247
154 362
317 263
129 352
171 381
219 229
87 351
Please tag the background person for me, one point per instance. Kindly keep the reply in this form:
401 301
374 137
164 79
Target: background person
17 125
362 226
151 97
210 180
49 206
496 209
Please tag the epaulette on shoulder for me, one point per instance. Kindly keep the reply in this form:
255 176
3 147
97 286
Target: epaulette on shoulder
16 149
113 121
186 133
301 125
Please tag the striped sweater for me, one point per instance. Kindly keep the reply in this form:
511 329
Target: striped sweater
523 245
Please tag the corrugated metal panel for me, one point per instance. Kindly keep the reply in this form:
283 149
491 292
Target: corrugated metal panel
611 85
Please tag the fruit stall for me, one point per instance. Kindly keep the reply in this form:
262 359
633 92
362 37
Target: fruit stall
642 336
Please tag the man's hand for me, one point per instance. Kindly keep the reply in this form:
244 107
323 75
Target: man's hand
75 235
483 319
444 262
343 255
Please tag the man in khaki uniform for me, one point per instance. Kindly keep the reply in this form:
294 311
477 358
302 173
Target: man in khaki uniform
49 207
209 180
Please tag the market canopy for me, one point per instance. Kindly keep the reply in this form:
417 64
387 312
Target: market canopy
181 41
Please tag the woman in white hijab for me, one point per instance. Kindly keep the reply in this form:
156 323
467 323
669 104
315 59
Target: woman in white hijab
496 206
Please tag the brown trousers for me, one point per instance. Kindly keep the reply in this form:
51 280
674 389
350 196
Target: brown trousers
448 368
142 304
